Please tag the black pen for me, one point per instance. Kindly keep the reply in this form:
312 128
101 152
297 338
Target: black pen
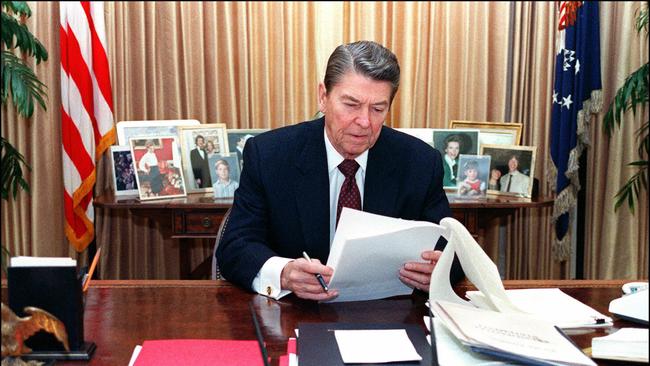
318 276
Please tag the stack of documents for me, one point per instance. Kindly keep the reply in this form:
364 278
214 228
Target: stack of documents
627 344
453 353
517 337
549 304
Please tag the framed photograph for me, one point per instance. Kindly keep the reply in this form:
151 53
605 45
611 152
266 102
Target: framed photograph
198 144
158 169
452 143
493 133
511 169
124 180
473 173
128 129
225 174
237 140
424 134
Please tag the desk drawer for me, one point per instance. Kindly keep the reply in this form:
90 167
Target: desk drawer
203 224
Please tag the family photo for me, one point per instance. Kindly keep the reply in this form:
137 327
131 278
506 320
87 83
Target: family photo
511 169
224 175
237 140
451 143
124 181
473 177
198 145
158 167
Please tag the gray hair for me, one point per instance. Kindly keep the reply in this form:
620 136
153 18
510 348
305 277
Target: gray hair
367 58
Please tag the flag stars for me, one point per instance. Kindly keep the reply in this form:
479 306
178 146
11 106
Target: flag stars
566 102
554 97
577 67
568 59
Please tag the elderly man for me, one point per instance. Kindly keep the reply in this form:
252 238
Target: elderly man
296 179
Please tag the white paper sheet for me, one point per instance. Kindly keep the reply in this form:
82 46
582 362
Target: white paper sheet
550 304
627 344
375 346
368 251
134 355
25 261
453 353
478 267
518 334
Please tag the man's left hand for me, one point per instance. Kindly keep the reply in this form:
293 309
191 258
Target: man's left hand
418 274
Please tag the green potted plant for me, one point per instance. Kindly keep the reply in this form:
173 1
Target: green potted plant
22 86
633 95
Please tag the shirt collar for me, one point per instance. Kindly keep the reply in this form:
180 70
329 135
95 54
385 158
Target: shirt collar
449 160
334 158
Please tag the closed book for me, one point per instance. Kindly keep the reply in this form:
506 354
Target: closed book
317 345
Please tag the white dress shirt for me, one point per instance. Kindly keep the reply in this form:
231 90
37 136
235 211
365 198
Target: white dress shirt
451 162
267 281
148 160
517 181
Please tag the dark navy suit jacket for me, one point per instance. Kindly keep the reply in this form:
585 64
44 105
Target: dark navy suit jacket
282 205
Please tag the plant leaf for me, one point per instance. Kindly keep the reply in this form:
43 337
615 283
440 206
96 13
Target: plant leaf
634 91
24 85
17 7
630 191
14 30
12 173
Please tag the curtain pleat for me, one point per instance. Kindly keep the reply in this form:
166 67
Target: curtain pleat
257 65
616 244
533 57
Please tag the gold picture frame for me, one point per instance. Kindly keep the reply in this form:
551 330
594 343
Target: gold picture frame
524 167
493 133
196 166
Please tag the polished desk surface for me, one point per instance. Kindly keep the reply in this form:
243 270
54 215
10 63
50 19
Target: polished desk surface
195 200
122 314
109 200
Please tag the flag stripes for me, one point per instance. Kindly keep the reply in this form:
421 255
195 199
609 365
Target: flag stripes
86 112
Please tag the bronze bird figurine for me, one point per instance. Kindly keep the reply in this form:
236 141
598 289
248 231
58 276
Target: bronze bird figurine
16 330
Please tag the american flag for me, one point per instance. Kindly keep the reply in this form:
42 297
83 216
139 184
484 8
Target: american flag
86 112
576 96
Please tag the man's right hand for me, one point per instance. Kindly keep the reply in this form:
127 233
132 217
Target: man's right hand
299 276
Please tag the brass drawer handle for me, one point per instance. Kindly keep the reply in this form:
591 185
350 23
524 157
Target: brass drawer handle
206 222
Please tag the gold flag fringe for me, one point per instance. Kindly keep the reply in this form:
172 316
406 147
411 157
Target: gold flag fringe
567 198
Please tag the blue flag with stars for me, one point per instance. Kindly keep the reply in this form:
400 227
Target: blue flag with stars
576 96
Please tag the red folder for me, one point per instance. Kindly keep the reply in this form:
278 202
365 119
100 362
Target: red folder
199 352
291 349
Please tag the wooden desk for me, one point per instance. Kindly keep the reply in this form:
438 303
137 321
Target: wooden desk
122 314
199 216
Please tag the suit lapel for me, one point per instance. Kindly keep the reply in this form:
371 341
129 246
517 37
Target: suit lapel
312 192
382 184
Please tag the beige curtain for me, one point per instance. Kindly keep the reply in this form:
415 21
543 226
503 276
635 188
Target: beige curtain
529 235
33 223
257 64
616 241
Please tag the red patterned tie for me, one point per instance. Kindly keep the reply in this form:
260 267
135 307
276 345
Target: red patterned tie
349 196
